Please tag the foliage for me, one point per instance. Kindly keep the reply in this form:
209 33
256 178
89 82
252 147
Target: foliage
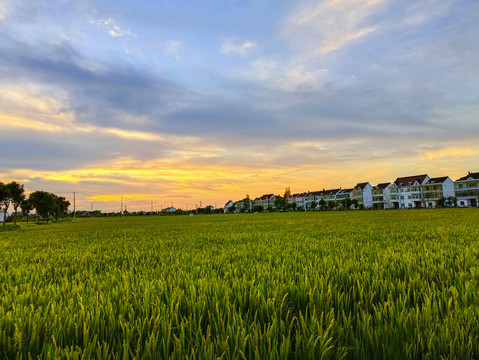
4 200
332 204
45 204
17 196
387 284
279 203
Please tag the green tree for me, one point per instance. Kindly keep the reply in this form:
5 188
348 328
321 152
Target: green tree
355 203
294 206
60 209
17 196
27 207
4 200
44 203
322 204
279 203
332 204
232 209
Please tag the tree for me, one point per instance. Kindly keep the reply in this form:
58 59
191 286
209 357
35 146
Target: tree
279 203
294 206
332 204
232 209
355 203
287 194
246 202
27 207
313 205
347 203
4 200
61 207
17 196
322 204
44 202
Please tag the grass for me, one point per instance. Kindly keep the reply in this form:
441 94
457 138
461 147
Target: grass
352 285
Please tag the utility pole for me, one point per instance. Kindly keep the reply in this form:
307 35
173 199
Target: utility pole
151 205
121 208
74 205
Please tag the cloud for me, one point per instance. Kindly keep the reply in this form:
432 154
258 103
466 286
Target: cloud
320 28
238 47
172 48
451 152
113 29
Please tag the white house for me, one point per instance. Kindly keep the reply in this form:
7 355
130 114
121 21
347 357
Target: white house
362 192
229 204
437 188
170 209
342 195
1 216
381 196
408 191
466 190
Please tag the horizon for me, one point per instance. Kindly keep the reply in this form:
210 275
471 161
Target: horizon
185 102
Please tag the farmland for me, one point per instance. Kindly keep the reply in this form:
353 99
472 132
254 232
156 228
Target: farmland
353 285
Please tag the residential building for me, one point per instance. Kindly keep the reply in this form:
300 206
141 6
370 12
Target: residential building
342 195
381 196
229 204
436 189
265 201
466 190
362 192
409 191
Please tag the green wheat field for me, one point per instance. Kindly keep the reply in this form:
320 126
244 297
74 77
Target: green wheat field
324 285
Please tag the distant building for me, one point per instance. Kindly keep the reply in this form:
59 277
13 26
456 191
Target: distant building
229 204
466 190
381 196
170 209
1 216
362 192
409 191
436 189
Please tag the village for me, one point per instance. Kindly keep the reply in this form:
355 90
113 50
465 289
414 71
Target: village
410 192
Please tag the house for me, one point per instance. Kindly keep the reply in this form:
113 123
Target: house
381 196
408 191
343 195
436 189
229 204
170 209
1 216
466 190
299 199
265 201
362 192
310 197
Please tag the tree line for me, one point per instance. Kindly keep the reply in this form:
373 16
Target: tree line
47 205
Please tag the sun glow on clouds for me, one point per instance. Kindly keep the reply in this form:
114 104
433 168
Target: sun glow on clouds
451 152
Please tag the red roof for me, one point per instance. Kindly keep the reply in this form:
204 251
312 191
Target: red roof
475 176
409 180
266 197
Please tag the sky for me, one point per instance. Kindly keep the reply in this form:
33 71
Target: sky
199 102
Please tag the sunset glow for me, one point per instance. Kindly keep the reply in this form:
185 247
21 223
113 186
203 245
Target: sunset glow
180 103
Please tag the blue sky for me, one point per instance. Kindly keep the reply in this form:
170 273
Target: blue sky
210 100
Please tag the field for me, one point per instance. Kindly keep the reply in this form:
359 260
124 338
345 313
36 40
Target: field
353 285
